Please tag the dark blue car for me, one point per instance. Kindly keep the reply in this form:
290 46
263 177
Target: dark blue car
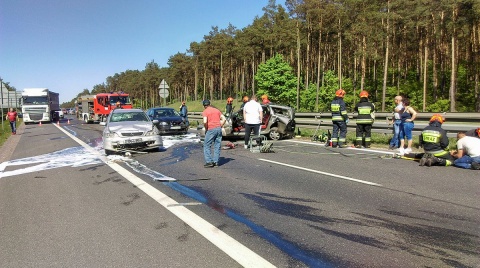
170 121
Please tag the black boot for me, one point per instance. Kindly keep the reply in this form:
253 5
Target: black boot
436 161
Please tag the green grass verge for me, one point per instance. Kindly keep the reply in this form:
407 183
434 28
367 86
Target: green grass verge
6 131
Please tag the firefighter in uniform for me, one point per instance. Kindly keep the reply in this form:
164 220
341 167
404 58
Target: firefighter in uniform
365 109
228 108
339 120
435 143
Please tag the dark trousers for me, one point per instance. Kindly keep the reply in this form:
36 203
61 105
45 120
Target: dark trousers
363 135
339 126
248 130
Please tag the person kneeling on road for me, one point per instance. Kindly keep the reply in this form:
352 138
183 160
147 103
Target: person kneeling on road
468 152
434 141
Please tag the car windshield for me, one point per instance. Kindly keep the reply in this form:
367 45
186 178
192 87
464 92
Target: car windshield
129 116
165 113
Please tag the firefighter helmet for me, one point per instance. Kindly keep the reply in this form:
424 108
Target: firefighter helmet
264 96
229 100
340 93
437 117
478 132
364 94
245 99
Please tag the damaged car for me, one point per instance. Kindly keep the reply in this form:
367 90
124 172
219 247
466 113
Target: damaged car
170 121
278 123
130 130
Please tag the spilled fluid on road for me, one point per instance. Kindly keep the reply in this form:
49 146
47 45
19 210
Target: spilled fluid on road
79 156
289 248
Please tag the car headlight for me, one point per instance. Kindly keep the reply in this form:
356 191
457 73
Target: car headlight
150 133
110 135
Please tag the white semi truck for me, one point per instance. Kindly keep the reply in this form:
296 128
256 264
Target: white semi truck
39 105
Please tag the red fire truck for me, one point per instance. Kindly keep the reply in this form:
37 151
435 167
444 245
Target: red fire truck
96 108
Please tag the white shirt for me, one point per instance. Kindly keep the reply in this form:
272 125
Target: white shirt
398 108
469 145
252 111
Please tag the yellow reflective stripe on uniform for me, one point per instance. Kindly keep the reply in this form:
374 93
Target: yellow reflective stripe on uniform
364 121
364 110
337 118
335 107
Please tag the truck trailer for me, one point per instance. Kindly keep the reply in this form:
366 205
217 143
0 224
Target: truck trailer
39 105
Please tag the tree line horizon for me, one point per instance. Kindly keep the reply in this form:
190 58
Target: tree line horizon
428 51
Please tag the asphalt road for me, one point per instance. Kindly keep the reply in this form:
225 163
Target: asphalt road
304 205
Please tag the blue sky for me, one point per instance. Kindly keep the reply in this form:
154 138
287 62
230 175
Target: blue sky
71 45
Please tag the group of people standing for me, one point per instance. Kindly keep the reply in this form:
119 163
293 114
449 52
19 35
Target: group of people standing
213 121
365 118
403 121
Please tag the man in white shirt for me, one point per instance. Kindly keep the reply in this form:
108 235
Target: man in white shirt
253 115
468 152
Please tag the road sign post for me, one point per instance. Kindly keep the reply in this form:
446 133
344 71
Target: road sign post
163 91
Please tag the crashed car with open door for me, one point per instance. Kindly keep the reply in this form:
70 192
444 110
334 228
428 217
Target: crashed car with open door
278 123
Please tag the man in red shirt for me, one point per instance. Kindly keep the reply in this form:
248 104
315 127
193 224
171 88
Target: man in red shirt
12 117
213 121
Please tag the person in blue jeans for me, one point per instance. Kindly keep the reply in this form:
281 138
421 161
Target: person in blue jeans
406 127
396 121
213 121
184 113
468 152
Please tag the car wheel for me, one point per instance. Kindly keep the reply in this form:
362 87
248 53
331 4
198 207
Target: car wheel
274 134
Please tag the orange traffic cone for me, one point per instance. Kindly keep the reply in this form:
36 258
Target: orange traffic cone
68 121
40 124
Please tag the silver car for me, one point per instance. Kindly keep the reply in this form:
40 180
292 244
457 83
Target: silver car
130 130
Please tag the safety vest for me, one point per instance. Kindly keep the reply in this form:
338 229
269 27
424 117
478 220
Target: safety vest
365 110
339 112
431 139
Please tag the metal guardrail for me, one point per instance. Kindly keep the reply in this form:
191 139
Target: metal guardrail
454 122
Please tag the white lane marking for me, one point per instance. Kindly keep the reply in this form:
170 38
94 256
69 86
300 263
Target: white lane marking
237 251
321 172
348 148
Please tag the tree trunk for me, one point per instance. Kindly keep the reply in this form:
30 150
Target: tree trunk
221 75
307 55
318 68
364 62
195 90
477 96
204 84
453 78
425 64
339 56
298 65
253 75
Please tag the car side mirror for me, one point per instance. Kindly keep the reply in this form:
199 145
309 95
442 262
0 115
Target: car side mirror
155 122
